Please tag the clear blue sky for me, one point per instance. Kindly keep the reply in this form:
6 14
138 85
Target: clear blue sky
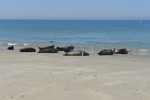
74 9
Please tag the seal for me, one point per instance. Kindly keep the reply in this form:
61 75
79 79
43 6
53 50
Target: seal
11 47
27 50
122 51
77 53
107 52
66 48
48 47
49 50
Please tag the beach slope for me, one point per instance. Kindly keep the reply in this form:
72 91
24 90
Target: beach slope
34 76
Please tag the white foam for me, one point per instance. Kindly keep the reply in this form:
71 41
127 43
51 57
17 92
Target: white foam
143 50
26 44
12 44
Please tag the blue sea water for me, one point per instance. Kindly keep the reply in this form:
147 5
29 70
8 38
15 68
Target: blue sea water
84 34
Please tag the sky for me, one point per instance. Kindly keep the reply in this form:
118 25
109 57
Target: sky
75 9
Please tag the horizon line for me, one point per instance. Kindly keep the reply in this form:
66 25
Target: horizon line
62 19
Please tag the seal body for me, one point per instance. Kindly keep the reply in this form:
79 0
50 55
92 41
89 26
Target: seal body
11 47
28 50
122 51
107 52
48 47
77 53
49 50
66 48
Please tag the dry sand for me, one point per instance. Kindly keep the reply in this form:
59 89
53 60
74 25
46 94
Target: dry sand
34 76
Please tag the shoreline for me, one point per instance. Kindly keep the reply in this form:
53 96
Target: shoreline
90 47
91 50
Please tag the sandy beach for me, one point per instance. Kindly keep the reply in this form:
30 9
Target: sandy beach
34 76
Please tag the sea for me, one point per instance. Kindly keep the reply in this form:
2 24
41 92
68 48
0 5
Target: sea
89 35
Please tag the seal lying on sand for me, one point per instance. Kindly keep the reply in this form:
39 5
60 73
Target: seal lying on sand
49 50
77 53
48 47
11 47
107 52
28 50
122 51
66 49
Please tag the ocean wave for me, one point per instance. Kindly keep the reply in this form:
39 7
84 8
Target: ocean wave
26 44
141 50
12 44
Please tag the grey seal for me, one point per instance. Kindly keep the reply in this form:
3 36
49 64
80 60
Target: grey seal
122 51
66 48
77 53
28 50
47 47
49 50
107 52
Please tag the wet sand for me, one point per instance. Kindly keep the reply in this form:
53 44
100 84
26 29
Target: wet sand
34 76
